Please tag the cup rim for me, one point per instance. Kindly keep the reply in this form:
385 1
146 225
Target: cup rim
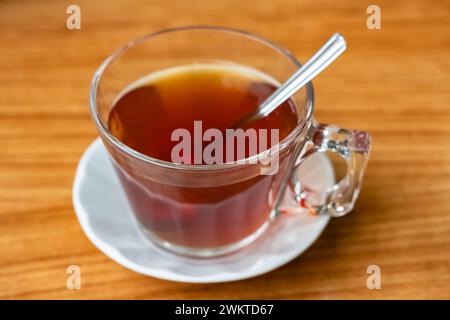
102 127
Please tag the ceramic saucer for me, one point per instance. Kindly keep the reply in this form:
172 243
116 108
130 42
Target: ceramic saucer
107 220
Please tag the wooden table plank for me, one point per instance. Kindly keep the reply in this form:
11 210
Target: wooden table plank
392 82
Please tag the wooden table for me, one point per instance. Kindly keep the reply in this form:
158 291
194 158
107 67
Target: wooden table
392 82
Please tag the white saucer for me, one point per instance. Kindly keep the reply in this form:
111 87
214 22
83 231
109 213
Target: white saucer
108 221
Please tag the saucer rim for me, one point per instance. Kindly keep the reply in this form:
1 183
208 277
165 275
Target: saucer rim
113 254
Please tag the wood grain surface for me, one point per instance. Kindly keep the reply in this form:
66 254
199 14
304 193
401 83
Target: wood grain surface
392 82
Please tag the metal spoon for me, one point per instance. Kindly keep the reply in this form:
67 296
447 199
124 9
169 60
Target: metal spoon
319 61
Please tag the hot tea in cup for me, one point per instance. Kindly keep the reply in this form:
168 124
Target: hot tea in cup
165 105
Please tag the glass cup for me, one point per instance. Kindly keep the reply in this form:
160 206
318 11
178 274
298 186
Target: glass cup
210 210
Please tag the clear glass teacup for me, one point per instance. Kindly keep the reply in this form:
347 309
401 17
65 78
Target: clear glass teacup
214 209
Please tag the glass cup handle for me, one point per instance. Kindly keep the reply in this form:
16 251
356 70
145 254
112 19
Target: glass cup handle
353 147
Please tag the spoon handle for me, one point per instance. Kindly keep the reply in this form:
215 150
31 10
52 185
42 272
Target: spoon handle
319 61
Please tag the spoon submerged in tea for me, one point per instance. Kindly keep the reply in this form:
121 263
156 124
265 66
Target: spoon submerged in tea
318 62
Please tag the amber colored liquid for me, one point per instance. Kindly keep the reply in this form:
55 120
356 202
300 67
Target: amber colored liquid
144 118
